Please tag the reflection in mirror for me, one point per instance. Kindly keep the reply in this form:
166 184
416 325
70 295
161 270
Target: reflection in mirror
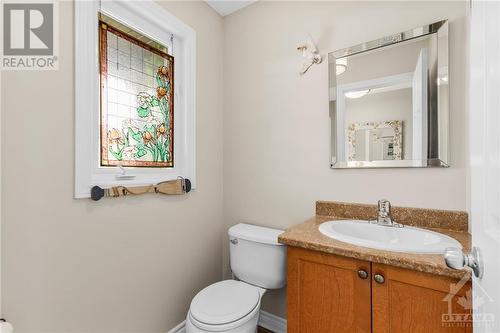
375 141
389 101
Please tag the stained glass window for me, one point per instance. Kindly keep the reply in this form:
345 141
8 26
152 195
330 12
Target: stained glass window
137 99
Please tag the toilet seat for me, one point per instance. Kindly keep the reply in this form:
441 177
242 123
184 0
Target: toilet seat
234 326
224 302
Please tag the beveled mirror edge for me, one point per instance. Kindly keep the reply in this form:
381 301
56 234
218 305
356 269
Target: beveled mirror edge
444 53
389 40
389 164
372 45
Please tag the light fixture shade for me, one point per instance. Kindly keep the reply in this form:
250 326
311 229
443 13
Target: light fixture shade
340 65
356 93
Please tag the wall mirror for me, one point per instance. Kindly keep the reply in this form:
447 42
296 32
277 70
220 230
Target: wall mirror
389 101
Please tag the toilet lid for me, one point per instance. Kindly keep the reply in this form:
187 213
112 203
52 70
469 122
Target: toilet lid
224 302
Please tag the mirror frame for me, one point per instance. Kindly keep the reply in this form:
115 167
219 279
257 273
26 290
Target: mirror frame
436 115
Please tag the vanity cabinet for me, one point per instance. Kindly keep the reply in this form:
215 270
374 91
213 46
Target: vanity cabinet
330 293
327 294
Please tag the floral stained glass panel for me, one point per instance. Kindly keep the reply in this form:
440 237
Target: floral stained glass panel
137 101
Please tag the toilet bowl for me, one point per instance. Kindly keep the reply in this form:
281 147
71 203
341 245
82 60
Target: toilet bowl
258 263
226 306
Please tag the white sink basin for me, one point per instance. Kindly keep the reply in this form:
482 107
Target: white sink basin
407 239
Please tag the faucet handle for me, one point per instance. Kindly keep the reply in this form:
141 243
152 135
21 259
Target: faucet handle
384 206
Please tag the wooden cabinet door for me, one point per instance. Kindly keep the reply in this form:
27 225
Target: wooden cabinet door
325 293
415 302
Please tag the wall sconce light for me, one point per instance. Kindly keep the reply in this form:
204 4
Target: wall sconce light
310 54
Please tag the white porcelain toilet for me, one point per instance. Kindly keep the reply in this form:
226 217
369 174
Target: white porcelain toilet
258 263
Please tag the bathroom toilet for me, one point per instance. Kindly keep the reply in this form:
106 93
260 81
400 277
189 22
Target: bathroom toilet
258 263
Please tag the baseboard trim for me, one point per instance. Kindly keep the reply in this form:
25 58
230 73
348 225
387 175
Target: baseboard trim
181 328
271 322
268 321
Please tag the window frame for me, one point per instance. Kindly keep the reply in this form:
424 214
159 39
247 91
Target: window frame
152 20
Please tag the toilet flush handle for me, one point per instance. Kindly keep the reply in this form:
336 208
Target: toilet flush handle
234 241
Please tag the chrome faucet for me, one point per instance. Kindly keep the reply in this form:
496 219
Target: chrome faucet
384 215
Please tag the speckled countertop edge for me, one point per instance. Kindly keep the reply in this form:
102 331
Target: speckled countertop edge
306 235
417 217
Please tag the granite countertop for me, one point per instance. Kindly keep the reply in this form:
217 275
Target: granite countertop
306 235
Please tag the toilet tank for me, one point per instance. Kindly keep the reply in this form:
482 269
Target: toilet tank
256 257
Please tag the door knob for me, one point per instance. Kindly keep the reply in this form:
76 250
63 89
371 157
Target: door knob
456 259
379 278
363 274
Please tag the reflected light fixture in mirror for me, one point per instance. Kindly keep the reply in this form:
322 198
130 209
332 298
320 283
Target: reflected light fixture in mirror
340 65
357 93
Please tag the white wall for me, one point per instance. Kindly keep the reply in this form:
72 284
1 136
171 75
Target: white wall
118 265
276 123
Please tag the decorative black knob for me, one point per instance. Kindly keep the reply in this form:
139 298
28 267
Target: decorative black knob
362 274
96 193
379 278
187 185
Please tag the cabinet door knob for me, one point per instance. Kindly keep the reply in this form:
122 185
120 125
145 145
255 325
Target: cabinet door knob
362 274
379 278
